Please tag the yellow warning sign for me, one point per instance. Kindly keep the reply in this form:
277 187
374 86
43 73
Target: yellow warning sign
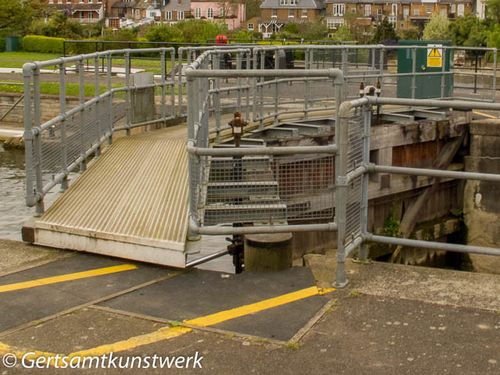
434 56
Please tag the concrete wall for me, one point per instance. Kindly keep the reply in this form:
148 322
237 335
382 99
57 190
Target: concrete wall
481 199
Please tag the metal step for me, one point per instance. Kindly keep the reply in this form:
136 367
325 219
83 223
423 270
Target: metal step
244 213
229 191
308 129
245 142
276 132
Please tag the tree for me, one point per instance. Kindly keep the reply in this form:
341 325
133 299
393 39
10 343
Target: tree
16 15
493 7
412 33
163 33
59 25
438 28
469 31
384 32
343 34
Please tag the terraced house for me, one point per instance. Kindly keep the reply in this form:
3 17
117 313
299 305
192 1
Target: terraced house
85 11
276 13
402 14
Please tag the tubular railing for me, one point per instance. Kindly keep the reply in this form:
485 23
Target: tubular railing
354 168
267 84
260 185
105 90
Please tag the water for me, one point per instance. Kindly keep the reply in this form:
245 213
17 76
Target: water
13 211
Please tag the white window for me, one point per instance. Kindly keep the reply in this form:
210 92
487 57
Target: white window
293 2
91 15
304 13
392 19
338 9
197 13
180 14
380 11
460 10
443 11
250 27
274 13
406 12
90 1
168 15
291 13
416 12
368 10
221 12
210 13
394 9
333 23
283 2
453 8
51 1
429 8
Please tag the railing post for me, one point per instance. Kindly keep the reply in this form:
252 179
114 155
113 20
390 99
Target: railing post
97 105
217 100
261 89
341 139
129 92
247 110
172 86
62 110
413 70
367 115
163 84
110 102
443 61
81 100
494 84
307 64
31 197
276 86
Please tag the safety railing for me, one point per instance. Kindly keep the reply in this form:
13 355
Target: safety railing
256 188
248 79
354 168
103 84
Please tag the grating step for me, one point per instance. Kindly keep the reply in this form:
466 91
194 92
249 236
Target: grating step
244 213
276 132
227 191
308 129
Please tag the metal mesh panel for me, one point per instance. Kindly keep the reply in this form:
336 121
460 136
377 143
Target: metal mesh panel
265 189
354 160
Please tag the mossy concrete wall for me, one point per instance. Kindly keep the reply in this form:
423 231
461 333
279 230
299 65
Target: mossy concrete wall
481 198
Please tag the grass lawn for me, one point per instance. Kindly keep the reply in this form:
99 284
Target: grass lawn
52 88
18 59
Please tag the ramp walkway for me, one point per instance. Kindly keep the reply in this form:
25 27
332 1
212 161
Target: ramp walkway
131 202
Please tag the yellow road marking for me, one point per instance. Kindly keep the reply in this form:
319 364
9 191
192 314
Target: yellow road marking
164 333
66 277
213 319
167 333
485 114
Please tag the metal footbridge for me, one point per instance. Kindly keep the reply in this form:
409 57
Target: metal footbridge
149 170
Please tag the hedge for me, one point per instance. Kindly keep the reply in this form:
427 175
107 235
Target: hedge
44 44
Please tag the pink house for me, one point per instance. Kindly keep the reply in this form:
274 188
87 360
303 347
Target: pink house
229 12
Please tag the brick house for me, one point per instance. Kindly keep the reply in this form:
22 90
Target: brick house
276 13
233 14
402 14
84 11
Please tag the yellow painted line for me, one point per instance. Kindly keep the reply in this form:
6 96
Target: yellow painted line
66 277
485 114
167 333
164 333
213 319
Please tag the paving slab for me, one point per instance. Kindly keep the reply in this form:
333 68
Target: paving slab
16 255
25 305
201 293
80 330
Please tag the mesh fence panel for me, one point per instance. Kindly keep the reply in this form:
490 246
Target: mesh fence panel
265 189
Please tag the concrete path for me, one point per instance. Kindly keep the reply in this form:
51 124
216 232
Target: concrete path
389 320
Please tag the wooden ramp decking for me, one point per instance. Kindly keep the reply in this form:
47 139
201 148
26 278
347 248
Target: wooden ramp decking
132 202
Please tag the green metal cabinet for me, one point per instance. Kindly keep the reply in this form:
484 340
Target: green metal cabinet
426 86
12 44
